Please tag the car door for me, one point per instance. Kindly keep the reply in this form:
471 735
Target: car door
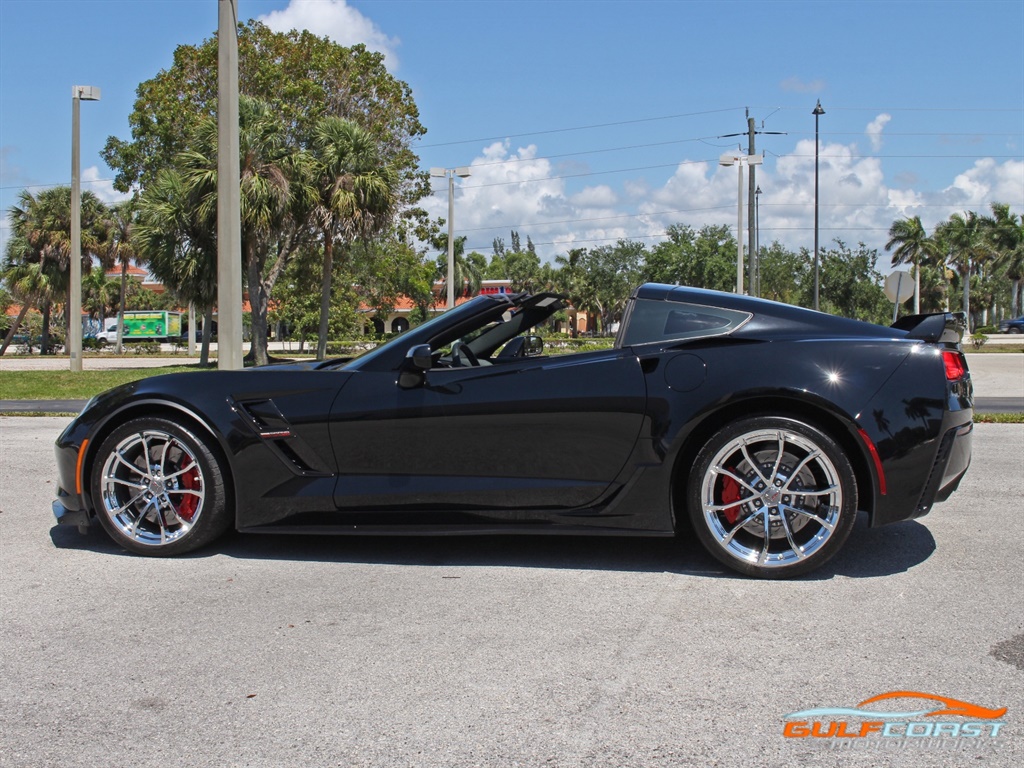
534 433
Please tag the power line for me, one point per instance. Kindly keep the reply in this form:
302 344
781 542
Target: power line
577 128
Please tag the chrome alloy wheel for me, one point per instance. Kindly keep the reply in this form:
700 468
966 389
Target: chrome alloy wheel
771 498
152 488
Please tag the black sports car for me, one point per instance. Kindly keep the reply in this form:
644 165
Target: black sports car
766 426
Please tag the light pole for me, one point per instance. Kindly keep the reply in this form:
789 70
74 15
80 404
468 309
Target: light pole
79 93
463 173
755 279
739 161
818 112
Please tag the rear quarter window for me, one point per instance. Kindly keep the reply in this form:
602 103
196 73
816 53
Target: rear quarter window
653 322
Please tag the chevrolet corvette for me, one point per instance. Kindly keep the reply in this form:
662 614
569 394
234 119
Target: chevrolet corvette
761 428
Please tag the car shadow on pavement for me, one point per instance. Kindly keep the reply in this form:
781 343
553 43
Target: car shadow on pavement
869 552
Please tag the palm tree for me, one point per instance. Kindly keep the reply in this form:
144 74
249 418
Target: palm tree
99 293
1005 232
571 279
912 245
179 246
41 235
275 194
469 269
121 250
356 197
964 237
27 283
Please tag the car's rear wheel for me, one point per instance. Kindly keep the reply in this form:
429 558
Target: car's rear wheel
772 497
158 489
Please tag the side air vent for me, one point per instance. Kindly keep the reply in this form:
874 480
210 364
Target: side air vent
267 421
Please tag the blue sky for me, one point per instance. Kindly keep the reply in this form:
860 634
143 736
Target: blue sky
584 122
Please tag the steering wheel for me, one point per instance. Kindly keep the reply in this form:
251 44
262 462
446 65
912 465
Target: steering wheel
460 352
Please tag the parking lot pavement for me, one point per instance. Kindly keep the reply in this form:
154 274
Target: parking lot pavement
316 651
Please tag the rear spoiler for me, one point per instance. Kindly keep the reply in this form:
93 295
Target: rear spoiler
939 327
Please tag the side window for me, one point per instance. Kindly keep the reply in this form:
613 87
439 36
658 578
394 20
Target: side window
651 322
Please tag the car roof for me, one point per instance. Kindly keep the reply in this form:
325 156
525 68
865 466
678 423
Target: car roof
769 317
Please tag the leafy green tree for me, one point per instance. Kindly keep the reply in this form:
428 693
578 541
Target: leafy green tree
851 285
610 273
6 301
701 259
390 269
784 273
523 270
296 305
301 76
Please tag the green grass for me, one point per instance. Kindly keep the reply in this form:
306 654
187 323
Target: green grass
992 349
80 385
999 418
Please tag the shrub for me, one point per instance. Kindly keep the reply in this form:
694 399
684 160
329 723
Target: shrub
145 348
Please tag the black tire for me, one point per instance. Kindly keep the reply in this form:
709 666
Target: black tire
158 489
772 497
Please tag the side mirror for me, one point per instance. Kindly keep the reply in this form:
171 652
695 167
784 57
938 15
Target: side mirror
534 346
420 357
418 360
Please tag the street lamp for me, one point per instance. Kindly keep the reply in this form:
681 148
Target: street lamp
755 279
739 161
463 173
818 112
79 93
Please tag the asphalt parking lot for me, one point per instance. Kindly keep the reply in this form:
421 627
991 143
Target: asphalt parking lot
277 651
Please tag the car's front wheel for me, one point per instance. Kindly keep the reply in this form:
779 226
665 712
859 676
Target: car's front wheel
158 489
772 497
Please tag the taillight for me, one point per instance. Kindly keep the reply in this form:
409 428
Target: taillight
954 363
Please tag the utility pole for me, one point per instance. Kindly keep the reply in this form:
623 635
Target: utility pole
750 133
752 256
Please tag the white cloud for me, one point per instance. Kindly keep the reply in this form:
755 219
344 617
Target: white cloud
518 189
337 20
987 181
601 196
103 188
874 130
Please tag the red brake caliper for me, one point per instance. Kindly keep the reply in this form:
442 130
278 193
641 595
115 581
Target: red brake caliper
730 492
189 501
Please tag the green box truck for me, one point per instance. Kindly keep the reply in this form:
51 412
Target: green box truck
146 325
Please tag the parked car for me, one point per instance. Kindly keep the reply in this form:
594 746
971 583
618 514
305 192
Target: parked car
764 426
1016 325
